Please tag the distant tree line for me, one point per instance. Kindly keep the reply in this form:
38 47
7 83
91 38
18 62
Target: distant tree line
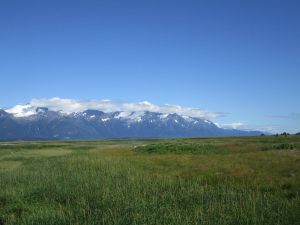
282 134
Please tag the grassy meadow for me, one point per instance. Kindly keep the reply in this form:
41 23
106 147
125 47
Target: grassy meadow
234 180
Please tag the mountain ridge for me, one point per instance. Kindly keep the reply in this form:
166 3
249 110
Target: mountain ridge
96 124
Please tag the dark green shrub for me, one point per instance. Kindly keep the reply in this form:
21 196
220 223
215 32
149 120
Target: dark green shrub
280 146
180 148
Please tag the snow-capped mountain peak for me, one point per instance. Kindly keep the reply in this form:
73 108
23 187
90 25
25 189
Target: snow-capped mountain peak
26 122
130 116
40 110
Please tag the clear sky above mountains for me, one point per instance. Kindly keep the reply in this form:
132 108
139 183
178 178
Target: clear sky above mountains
238 58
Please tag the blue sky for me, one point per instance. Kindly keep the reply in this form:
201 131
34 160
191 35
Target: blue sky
239 58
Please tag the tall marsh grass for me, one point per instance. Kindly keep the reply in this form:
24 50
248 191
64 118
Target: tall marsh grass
93 186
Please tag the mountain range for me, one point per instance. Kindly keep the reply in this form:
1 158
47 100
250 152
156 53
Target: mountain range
95 124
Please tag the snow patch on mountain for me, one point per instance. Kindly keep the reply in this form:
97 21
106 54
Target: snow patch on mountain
164 116
130 116
188 119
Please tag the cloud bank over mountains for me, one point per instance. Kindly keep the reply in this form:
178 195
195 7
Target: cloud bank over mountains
68 106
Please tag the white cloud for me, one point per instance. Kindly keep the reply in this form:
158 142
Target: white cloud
22 110
247 127
291 116
70 105
235 125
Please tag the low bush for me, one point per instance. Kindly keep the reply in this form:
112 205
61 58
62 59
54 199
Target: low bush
280 146
180 148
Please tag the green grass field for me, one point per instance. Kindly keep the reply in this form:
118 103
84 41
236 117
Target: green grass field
249 180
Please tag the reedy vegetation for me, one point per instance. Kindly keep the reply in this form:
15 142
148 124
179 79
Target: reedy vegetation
166 181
